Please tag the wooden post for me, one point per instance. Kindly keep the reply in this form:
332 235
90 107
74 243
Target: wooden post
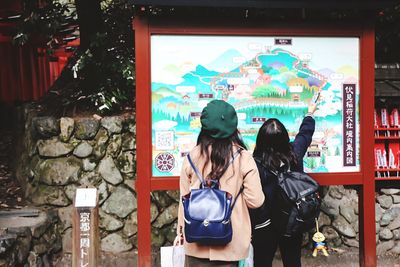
367 227
85 231
143 133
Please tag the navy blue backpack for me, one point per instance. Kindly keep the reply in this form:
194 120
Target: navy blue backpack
207 211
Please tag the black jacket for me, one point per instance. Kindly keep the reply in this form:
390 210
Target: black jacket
261 217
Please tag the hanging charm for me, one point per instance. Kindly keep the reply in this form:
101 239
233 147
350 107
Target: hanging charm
75 70
319 243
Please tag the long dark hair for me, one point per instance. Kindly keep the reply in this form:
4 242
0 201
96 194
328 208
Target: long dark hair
273 146
221 151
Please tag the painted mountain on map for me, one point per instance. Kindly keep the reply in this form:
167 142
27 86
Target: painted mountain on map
272 83
261 80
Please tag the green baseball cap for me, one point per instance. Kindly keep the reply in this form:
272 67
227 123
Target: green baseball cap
219 119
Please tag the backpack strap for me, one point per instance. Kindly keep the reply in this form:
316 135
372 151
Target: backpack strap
197 171
276 173
258 160
234 201
202 179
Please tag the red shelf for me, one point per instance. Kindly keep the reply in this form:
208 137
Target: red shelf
388 170
387 178
387 129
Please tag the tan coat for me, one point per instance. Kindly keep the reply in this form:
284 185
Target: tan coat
243 171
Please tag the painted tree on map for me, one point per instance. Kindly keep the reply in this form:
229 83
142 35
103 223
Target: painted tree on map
323 159
337 151
264 91
311 163
266 69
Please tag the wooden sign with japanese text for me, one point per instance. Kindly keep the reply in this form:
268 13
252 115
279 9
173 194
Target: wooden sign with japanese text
85 225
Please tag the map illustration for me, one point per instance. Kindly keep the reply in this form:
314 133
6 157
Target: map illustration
262 77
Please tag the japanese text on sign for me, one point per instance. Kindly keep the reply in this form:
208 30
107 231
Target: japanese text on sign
84 238
349 125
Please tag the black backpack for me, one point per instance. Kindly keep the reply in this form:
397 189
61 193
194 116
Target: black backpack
297 203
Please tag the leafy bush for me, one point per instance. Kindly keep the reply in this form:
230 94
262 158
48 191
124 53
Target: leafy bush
99 78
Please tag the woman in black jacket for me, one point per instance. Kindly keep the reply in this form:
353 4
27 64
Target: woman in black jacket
274 152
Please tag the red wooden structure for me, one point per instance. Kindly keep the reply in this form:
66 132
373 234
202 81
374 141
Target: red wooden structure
26 72
145 26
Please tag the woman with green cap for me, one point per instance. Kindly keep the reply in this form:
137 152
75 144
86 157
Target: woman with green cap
217 143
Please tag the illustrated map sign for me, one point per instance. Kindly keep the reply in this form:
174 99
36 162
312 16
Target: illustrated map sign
262 77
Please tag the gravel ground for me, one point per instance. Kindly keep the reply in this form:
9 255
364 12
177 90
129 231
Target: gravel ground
340 258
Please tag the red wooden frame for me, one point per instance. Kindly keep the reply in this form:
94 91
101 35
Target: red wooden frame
144 27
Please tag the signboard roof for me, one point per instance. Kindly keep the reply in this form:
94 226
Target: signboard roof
340 4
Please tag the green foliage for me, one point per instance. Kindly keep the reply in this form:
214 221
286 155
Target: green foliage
104 73
44 22
110 54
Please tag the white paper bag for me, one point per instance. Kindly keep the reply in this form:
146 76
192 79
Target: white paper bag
172 256
249 261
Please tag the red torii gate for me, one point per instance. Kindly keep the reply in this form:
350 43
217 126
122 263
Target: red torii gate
26 72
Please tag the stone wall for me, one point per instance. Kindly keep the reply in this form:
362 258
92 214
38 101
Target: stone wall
339 219
63 154
387 220
29 237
